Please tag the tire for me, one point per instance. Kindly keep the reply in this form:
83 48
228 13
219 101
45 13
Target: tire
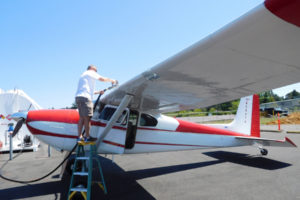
264 152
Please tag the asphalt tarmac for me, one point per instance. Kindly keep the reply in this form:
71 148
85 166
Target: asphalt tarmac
225 173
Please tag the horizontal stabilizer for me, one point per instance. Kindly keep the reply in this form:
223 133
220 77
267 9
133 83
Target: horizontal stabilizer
267 142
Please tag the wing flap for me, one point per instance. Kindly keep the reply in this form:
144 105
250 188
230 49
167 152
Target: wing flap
267 142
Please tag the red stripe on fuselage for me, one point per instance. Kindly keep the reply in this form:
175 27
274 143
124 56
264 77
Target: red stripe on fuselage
40 132
35 131
94 123
190 127
169 144
113 143
288 10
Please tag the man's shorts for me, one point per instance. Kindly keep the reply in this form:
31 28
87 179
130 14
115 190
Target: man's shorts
85 106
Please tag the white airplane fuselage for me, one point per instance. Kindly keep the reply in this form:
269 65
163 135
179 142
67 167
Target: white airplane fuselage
170 134
141 132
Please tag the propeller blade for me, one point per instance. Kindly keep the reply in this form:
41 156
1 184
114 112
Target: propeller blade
18 115
18 126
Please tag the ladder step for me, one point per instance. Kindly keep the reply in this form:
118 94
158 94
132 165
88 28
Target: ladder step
82 158
81 173
79 189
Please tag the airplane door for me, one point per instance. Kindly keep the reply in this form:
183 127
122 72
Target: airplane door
131 129
114 141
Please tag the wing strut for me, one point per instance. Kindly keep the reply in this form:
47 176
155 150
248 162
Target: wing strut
124 103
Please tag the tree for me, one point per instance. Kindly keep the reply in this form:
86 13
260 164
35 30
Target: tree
292 95
278 98
74 105
269 96
234 105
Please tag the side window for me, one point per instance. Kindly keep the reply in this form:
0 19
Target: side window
133 117
147 120
123 118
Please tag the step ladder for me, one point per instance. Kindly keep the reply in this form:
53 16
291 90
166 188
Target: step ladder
83 168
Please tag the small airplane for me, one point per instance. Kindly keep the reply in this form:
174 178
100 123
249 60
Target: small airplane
257 52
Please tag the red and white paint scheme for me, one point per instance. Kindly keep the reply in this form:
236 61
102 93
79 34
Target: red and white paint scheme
140 132
257 52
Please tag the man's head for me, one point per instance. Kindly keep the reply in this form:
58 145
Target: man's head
92 67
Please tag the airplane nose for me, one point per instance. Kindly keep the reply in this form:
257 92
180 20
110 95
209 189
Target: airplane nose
55 127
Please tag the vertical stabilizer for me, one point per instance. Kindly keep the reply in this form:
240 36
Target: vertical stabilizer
247 117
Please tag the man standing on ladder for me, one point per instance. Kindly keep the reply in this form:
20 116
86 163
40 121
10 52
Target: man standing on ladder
84 96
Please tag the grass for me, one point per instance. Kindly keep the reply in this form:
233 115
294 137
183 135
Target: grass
227 121
265 120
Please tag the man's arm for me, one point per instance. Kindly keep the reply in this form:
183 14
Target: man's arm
99 92
103 79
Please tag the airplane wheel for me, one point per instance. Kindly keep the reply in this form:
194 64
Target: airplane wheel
264 152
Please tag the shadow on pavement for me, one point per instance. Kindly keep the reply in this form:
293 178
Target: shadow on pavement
247 160
33 190
124 185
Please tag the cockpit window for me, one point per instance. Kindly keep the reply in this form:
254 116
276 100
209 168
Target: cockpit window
147 120
108 112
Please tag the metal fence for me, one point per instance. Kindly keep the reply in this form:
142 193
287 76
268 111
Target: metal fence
291 105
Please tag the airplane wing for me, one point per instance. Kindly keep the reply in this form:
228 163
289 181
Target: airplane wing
267 142
257 52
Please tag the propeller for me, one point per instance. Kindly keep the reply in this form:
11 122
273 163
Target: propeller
18 126
20 117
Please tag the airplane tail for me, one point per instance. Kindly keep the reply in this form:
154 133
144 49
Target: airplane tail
247 117
247 122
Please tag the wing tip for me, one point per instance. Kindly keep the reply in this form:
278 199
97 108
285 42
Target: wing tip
286 10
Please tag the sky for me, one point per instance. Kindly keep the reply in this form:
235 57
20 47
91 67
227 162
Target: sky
46 45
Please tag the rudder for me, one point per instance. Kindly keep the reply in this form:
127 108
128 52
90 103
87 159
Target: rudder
247 117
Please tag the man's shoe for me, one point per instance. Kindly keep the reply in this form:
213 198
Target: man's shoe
90 139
